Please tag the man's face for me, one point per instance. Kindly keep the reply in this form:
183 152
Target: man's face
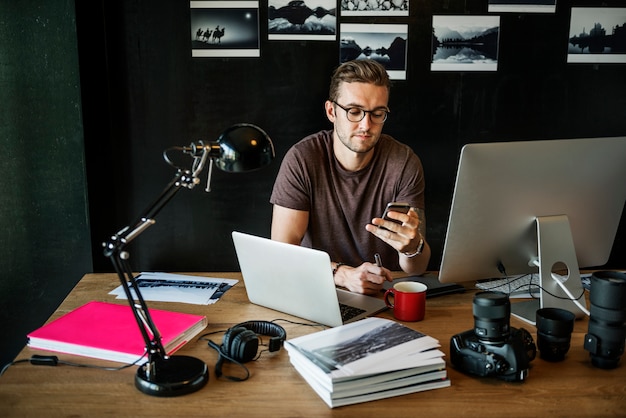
358 137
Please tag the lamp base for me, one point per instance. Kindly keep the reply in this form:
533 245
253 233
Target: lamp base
173 376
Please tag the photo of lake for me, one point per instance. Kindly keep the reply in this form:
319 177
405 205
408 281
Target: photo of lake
465 43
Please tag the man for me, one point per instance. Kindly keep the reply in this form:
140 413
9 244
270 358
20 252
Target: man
333 186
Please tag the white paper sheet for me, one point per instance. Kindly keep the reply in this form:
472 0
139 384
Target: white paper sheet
168 287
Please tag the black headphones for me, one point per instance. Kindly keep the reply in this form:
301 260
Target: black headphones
241 343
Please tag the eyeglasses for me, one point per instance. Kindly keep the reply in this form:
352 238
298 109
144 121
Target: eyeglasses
356 114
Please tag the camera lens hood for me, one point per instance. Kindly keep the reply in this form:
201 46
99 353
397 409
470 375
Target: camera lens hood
608 290
555 321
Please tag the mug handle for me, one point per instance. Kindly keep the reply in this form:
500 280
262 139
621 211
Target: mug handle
388 293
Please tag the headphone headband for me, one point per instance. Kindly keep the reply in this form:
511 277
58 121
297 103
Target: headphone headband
277 333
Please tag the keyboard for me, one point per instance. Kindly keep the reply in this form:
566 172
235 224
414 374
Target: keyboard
348 312
522 284
514 285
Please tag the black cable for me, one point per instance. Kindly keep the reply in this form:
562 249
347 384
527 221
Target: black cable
39 360
530 286
502 270
222 355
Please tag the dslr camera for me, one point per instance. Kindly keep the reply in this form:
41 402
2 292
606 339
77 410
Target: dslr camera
493 348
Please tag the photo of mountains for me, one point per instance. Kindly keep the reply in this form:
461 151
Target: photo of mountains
302 19
465 43
385 43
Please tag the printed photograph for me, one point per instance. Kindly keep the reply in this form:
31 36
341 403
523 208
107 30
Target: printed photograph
314 20
225 29
522 6
597 35
374 7
379 339
465 43
385 43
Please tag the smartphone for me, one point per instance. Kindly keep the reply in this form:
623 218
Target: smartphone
395 207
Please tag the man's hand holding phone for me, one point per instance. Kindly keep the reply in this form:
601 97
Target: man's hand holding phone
397 207
398 226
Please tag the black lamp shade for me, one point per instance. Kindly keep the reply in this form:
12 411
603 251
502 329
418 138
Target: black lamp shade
244 147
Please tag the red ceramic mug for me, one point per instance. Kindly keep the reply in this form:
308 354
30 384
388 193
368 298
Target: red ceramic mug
408 301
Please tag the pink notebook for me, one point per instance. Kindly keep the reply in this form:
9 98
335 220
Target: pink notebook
109 331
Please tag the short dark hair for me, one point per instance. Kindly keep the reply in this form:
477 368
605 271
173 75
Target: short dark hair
358 71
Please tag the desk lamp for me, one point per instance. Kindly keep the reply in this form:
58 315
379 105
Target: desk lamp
240 148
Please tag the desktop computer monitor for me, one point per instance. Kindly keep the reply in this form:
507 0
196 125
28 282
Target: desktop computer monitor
536 207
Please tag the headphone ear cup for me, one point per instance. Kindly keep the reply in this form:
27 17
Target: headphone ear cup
245 346
228 338
240 344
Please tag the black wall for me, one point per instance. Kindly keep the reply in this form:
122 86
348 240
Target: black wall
45 241
153 95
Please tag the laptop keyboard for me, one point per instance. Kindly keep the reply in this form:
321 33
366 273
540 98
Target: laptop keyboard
348 312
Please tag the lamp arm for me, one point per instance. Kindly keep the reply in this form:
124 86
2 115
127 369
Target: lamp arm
115 250
149 331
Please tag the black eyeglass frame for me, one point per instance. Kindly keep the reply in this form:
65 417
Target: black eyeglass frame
363 113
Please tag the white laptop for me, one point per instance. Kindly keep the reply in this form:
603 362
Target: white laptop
298 281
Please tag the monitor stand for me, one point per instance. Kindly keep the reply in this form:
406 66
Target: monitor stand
555 247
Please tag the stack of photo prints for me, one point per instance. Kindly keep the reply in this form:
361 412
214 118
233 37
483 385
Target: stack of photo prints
460 43
367 360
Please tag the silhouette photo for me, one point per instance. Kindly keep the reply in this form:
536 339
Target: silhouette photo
597 35
218 31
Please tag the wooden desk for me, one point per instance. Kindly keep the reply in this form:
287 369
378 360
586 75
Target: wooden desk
569 388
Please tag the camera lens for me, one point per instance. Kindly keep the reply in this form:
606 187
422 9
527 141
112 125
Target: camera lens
607 328
554 332
492 311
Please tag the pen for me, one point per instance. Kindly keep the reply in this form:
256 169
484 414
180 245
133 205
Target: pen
379 263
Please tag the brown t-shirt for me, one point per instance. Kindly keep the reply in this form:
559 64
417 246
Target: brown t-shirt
340 202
